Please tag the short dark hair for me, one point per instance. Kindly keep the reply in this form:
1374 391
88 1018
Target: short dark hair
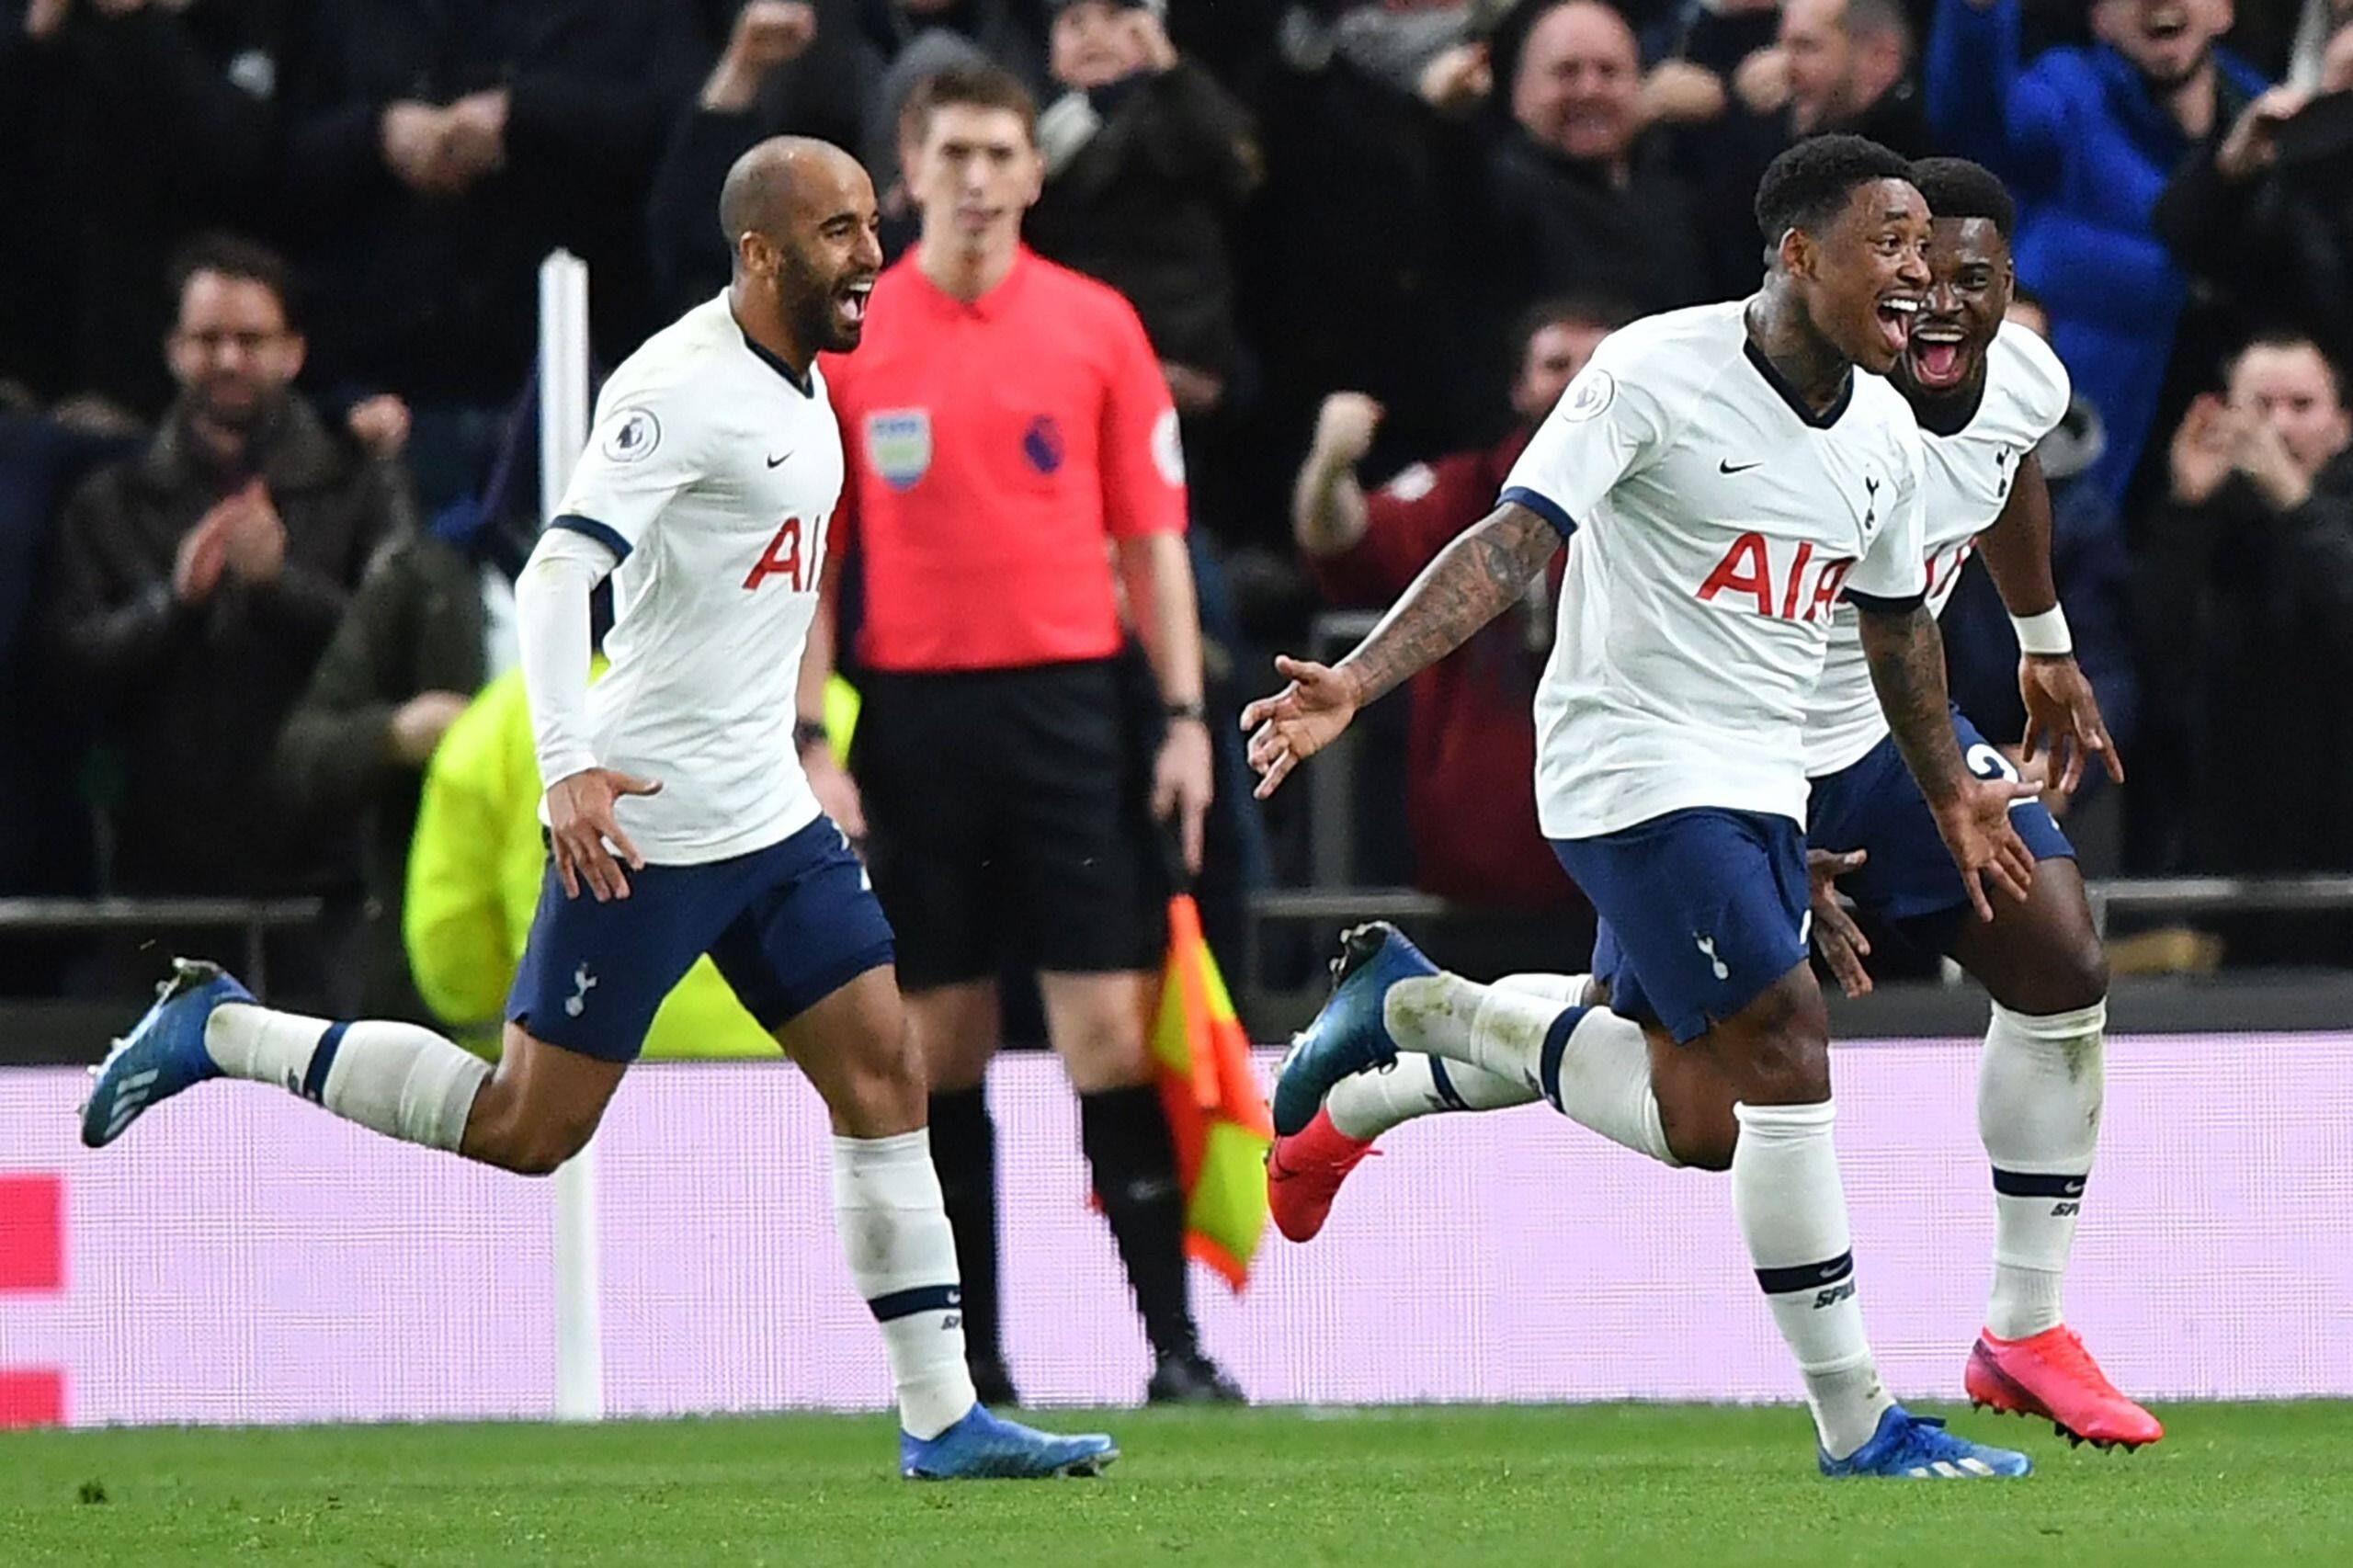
978 84
1582 307
1808 185
1955 187
2289 338
235 258
1865 18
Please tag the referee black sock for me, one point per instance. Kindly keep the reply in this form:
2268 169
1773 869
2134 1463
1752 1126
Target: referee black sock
963 1150
1126 1138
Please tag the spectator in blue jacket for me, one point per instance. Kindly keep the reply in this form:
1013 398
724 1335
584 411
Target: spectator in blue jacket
2087 137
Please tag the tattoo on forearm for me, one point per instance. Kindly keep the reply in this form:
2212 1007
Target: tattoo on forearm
1473 580
1907 664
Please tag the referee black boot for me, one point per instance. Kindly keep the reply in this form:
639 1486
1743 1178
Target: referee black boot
1187 1376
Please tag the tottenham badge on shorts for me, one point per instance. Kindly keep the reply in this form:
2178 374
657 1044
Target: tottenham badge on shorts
898 444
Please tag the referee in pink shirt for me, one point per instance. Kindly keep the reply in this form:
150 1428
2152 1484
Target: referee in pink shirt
1011 446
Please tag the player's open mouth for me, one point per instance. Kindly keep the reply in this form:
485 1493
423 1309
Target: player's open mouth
1936 356
850 302
1895 313
2164 26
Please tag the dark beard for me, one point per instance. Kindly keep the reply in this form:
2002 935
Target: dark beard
241 421
816 326
806 302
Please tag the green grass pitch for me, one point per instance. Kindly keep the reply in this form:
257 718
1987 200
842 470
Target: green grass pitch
2231 1485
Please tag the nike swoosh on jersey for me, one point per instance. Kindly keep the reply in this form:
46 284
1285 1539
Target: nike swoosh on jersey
778 462
1725 465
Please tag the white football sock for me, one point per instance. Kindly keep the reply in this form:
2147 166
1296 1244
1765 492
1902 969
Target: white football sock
894 1230
1597 1074
1366 1105
1785 1192
1594 1066
1498 1029
1563 989
2039 1090
402 1080
1369 1104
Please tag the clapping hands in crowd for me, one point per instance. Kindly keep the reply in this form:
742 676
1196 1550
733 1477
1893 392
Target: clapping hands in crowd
2216 441
242 537
444 150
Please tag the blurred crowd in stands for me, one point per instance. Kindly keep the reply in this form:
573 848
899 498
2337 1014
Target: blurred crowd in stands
269 428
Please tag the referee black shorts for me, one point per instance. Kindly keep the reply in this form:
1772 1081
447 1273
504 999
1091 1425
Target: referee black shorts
1008 820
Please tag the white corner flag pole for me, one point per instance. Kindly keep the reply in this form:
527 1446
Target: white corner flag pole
563 431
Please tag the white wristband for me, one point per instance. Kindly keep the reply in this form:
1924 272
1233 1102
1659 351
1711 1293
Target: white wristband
2045 633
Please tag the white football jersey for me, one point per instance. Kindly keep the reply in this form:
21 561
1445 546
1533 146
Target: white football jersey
713 477
1969 477
1717 522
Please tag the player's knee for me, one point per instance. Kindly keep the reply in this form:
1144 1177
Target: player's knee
2066 975
954 1035
2075 974
541 1152
528 1145
898 1067
1702 1139
883 1085
1789 1064
1777 1051
539 1156
1694 1109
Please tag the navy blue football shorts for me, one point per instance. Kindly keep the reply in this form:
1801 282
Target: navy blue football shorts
1874 804
787 925
1700 911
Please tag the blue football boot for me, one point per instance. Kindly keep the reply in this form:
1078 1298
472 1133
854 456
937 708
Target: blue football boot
983 1447
163 1055
1349 1036
1917 1448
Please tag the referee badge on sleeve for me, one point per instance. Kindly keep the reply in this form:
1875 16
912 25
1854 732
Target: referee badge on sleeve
898 444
